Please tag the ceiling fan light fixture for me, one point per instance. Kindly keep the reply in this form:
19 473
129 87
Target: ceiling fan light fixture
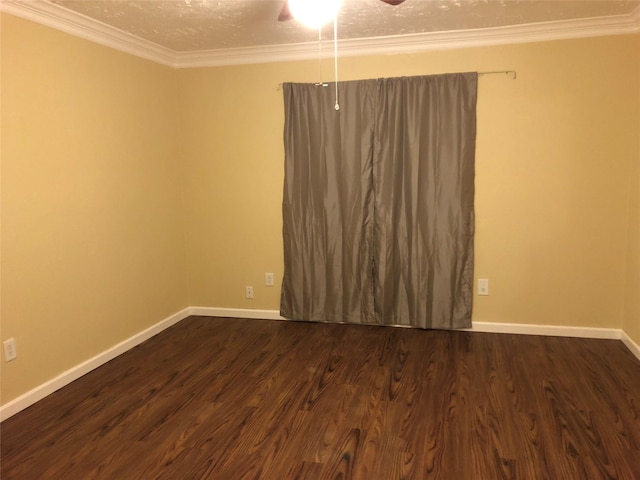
314 13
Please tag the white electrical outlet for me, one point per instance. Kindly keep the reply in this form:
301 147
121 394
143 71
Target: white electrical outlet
483 286
268 279
249 292
10 352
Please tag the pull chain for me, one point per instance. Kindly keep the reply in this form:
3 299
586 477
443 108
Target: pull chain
320 53
320 81
335 56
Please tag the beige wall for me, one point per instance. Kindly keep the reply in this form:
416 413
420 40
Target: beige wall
92 239
110 164
632 301
555 150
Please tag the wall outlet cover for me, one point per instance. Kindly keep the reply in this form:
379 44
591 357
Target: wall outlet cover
10 352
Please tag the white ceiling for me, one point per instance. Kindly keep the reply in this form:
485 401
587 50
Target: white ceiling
181 32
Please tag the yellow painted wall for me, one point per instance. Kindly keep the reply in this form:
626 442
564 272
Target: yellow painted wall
632 302
92 235
110 164
555 150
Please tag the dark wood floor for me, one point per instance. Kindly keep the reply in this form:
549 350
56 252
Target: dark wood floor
231 399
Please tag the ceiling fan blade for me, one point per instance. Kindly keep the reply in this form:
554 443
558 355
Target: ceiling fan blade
285 13
393 2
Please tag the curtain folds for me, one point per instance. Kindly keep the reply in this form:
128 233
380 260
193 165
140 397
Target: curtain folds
378 201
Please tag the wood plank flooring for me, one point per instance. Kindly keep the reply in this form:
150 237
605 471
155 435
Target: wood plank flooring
231 399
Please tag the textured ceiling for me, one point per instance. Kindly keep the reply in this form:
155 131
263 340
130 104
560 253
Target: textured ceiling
195 25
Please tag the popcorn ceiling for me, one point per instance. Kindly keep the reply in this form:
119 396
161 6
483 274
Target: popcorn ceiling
193 25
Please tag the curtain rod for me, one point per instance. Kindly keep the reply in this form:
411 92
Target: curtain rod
513 73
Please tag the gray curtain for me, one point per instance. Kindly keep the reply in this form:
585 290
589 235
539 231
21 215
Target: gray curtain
378 201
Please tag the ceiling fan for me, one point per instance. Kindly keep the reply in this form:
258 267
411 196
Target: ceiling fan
285 12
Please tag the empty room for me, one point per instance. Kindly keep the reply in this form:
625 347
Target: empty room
392 240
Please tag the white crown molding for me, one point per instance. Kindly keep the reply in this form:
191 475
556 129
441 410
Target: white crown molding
415 43
60 18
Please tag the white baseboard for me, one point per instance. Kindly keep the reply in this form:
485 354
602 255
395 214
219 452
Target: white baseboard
547 330
26 400
484 327
236 313
38 393
631 345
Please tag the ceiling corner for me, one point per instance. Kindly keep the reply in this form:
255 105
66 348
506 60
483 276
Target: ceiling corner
64 20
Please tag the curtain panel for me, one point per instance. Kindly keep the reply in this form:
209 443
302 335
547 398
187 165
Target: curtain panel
378 213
